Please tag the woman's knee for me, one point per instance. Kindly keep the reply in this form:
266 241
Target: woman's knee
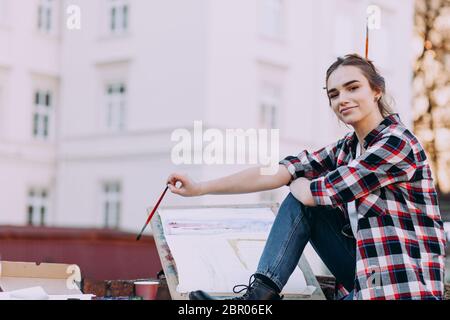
292 204
292 200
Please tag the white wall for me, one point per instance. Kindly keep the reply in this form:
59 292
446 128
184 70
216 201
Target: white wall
28 60
161 59
181 61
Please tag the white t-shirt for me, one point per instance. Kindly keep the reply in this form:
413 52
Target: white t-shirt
351 206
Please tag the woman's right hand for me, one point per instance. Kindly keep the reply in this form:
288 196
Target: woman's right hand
188 187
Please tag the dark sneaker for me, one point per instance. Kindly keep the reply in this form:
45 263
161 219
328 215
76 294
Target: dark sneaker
256 290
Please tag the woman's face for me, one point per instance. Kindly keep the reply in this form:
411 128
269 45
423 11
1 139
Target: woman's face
350 94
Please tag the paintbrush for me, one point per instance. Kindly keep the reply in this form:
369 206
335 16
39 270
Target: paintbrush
367 39
151 214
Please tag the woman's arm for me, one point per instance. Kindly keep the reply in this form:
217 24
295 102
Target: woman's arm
312 165
390 160
246 181
300 189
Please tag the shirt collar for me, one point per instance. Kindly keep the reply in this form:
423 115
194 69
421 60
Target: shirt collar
389 120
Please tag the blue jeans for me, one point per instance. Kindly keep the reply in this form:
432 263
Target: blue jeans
295 225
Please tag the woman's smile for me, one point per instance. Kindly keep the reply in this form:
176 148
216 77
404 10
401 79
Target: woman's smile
346 110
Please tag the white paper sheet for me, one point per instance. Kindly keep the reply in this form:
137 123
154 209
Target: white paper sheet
218 248
5 296
33 293
38 293
71 297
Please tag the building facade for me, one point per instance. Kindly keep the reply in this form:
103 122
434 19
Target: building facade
87 114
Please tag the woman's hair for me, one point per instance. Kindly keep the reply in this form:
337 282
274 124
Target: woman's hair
376 81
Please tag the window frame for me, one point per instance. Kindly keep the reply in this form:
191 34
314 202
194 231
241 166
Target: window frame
111 204
269 106
46 16
119 23
273 19
38 205
42 115
116 100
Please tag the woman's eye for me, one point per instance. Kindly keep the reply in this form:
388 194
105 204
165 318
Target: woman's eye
333 96
353 88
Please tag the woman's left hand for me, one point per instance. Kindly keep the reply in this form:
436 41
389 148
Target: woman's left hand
301 191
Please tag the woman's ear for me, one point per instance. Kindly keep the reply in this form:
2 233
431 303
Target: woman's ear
377 96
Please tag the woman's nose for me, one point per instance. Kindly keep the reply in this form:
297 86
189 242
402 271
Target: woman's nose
343 100
343 103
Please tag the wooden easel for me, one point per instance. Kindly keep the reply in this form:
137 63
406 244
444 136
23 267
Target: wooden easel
170 268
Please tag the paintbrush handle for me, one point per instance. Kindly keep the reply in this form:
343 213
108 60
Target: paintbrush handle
151 214
367 40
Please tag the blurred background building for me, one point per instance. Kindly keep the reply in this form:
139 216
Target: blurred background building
86 115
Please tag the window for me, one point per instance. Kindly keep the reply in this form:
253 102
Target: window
3 12
118 16
42 114
269 107
115 106
45 15
272 18
37 208
111 204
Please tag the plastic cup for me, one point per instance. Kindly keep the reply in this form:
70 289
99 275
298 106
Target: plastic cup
146 289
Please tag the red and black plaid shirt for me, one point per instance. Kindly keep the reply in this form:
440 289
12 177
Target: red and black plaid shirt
400 236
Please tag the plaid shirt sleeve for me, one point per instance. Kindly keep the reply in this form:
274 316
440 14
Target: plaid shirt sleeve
312 165
390 160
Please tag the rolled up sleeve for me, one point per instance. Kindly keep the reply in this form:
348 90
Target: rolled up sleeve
312 165
390 160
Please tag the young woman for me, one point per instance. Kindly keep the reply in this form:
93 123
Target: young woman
366 203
